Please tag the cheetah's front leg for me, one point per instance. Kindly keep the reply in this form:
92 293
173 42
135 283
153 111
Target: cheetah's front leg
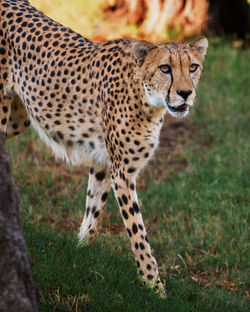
98 188
125 192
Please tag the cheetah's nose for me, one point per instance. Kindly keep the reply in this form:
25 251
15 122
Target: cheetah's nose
184 93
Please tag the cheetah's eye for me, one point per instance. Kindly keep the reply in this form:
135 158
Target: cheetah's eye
166 69
193 68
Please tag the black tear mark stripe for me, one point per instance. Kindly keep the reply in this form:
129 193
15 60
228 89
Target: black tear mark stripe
172 80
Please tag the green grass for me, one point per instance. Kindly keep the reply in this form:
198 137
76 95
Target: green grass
103 278
197 222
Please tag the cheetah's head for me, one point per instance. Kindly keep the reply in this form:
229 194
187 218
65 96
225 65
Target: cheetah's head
170 73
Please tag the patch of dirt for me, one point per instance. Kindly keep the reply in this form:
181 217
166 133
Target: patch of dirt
175 134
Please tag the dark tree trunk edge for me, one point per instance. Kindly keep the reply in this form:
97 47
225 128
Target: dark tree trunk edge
18 292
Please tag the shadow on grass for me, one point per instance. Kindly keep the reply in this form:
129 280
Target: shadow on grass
100 278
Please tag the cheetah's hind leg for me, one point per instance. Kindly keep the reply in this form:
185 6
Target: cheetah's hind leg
97 192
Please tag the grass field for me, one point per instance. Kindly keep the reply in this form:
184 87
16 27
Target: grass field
194 199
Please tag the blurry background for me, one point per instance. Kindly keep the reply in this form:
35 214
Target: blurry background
155 20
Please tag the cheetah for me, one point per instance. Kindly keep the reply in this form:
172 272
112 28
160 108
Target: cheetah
97 104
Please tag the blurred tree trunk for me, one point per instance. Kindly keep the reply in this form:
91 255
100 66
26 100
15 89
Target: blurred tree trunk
155 17
158 19
18 291
185 17
131 12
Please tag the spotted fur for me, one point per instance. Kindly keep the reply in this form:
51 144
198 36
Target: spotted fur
98 104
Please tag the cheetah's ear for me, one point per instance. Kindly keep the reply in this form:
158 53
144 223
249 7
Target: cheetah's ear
140 50
201 45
